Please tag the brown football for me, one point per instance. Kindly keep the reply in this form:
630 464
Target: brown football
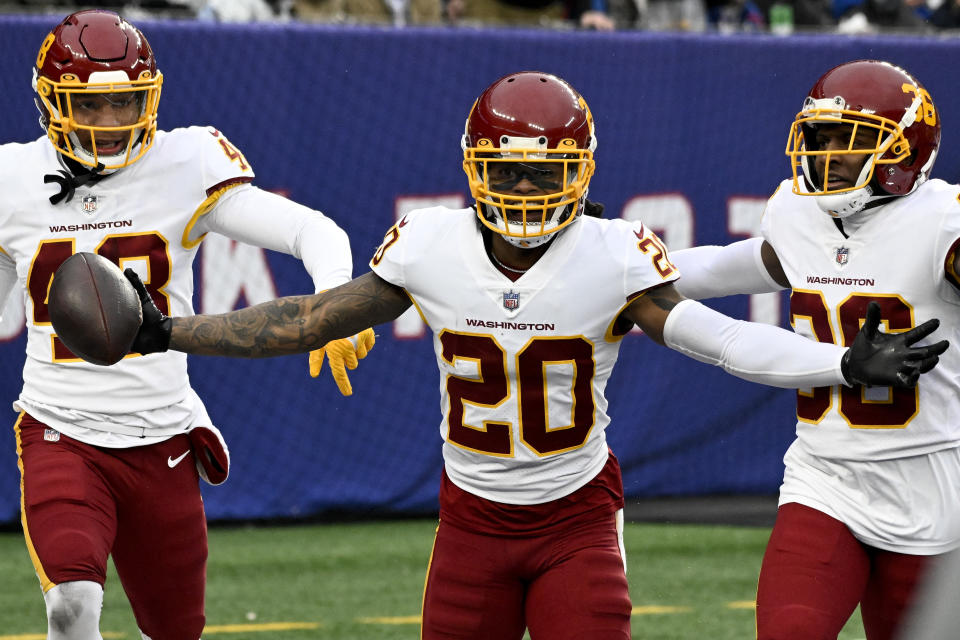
94 309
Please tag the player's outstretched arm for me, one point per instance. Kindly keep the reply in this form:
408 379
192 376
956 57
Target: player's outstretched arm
771 355
295 324
747 266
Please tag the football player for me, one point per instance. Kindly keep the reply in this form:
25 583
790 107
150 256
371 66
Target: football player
528 300
108 454
870 490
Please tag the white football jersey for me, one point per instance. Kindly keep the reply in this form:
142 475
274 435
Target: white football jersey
139 217
897 255
523 365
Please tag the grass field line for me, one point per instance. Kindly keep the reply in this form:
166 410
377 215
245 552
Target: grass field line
657 609
365 580
262 626
43 636
107 635
389 620
208 630
642 610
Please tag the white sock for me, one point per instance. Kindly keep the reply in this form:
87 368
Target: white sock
73 611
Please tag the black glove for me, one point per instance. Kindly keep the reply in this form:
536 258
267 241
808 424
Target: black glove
887 359
154 333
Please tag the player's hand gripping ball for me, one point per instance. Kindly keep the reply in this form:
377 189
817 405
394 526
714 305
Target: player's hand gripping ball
94 309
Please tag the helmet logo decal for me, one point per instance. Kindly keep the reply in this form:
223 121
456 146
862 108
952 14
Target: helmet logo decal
925 110
42 56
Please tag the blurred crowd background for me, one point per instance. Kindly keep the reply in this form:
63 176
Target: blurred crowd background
724 16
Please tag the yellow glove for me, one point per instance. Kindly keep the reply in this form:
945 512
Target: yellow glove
343 354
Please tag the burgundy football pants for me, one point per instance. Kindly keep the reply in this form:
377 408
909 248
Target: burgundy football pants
141 505
568 585
815 573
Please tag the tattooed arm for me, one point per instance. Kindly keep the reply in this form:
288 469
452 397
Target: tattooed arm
649 311
294 324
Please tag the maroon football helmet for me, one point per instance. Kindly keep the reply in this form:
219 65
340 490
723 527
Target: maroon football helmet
96 53
534 125
874 96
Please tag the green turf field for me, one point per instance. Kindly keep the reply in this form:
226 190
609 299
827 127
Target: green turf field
364 581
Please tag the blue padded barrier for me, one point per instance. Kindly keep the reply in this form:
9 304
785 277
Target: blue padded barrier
356 121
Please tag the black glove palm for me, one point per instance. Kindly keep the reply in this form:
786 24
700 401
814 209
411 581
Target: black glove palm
888 359
154 333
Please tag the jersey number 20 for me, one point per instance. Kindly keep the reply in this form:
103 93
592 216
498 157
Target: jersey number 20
492 388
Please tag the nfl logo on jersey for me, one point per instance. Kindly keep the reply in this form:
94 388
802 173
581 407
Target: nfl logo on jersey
843 254
89 203
511 300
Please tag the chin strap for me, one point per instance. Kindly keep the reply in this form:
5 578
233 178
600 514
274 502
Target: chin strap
881 200
592 209
70 180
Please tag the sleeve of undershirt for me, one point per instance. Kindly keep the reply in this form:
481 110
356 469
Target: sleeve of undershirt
8 278
752 351
249 214
717 271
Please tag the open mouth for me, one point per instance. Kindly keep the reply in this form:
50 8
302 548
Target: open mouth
518 218
109 147
839 183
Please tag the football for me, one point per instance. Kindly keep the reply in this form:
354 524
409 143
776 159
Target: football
94 309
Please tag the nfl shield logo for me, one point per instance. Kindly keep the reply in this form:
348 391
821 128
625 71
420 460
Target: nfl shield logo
843 254
511 300
89 204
